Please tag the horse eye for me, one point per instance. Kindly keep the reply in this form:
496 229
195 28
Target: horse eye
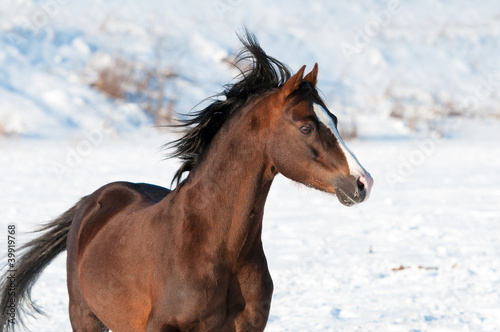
306 129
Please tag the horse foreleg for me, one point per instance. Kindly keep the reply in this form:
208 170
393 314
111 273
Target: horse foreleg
252 288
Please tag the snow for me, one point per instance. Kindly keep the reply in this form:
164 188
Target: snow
374 57
334 268
420 255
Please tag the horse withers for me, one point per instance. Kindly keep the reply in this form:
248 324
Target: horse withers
145 258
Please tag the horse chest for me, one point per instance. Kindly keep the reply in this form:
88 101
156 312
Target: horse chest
239 298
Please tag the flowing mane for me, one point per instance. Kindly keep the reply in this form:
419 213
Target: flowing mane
263 74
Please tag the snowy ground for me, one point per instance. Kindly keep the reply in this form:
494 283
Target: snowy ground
433 210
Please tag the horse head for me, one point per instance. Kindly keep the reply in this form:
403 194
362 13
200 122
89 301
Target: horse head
306 146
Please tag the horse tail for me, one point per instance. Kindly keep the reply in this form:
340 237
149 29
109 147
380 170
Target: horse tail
18 280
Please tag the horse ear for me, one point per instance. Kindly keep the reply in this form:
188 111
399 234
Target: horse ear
312 77
293 83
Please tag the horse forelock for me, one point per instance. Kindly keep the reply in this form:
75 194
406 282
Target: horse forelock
307 92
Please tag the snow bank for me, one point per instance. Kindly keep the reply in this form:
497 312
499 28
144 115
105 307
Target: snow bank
412 60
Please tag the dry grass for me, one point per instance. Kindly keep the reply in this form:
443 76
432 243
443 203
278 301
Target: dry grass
421 111
113 79
152 88
155 87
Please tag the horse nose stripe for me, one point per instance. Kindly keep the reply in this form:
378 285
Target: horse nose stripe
355 167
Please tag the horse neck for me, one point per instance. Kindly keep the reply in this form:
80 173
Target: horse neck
227 190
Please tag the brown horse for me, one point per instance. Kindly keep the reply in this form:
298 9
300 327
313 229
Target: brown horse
144 258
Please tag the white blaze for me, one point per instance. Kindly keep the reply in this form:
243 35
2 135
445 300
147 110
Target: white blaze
355 167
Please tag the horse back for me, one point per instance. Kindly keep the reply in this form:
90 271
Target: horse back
152 192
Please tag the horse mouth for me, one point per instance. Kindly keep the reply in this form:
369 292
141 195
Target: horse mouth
352 191
352 199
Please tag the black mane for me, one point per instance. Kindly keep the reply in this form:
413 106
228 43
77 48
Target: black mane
264 74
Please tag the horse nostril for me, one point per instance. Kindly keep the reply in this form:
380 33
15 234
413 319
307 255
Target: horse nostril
361 184
365 184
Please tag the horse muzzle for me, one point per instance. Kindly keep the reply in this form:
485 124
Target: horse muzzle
353 189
